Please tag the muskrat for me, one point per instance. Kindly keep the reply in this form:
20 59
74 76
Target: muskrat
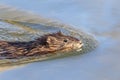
48 43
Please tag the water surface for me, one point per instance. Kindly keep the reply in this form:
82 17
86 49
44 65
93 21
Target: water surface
99 18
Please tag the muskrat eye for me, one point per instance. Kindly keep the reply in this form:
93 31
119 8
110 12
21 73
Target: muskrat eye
65 40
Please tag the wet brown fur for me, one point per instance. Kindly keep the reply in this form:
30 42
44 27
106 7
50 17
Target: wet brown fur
48 43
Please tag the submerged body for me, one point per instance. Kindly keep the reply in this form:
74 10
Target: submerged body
47 44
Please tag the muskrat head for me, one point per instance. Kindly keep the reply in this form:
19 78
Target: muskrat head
60 42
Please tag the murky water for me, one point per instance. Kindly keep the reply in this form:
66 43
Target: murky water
99 18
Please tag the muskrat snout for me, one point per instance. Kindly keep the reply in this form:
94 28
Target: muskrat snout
78 46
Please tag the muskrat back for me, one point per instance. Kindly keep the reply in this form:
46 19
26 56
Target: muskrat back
49 43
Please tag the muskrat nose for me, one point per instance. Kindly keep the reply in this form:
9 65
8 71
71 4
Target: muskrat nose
80 46
80 43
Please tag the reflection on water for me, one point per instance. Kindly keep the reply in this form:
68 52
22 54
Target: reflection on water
100 18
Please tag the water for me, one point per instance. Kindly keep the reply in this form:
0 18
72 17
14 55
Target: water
99 18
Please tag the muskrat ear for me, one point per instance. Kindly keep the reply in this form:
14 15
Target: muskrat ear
59 33
51 39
